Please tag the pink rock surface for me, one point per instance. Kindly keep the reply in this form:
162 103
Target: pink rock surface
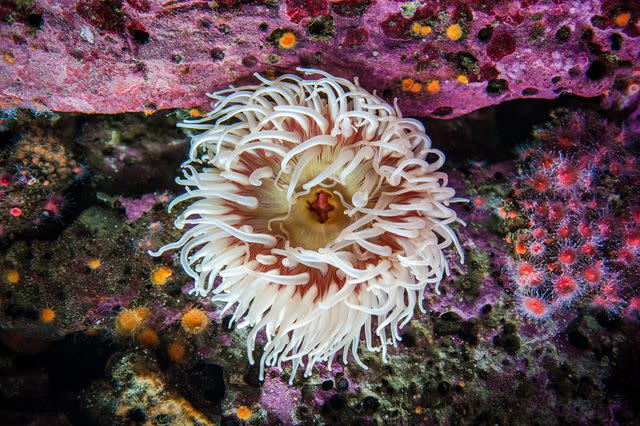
136 207
110 56
279 398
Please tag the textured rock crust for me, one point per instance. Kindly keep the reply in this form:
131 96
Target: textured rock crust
440 58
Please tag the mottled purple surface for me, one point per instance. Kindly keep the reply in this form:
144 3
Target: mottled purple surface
136 207
131 55
279 398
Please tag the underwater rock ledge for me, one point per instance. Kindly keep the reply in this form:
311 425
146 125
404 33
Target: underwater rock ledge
441 59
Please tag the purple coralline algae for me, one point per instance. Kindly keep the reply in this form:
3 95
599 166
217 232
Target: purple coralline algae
440 59
279 398
136 207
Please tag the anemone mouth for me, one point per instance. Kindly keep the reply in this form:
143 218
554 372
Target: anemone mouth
316 219
315 204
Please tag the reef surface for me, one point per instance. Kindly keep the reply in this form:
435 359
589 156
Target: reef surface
94 330
440 58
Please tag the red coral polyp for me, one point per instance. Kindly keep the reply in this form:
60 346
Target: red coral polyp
592 274
565 287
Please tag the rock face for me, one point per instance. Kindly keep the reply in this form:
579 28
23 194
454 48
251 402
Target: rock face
440 58
119 351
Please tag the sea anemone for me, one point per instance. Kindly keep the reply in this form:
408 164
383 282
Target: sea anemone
321 210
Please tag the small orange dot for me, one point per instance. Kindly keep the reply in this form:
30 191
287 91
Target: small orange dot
47 315
94 263
521 248
194 321
433 86
416 87
148 338
419 410
176 351
426 30
407 83
195 112
454 32
622 19
12 277
287 40
243 412
416 27
160 275
462 79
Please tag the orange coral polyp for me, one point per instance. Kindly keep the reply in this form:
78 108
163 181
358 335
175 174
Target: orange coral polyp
176 351
454 32
161 275
12 277
243 412
129 321
407 84
47 315
194 321
94 263
287 40
148 338
433 86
